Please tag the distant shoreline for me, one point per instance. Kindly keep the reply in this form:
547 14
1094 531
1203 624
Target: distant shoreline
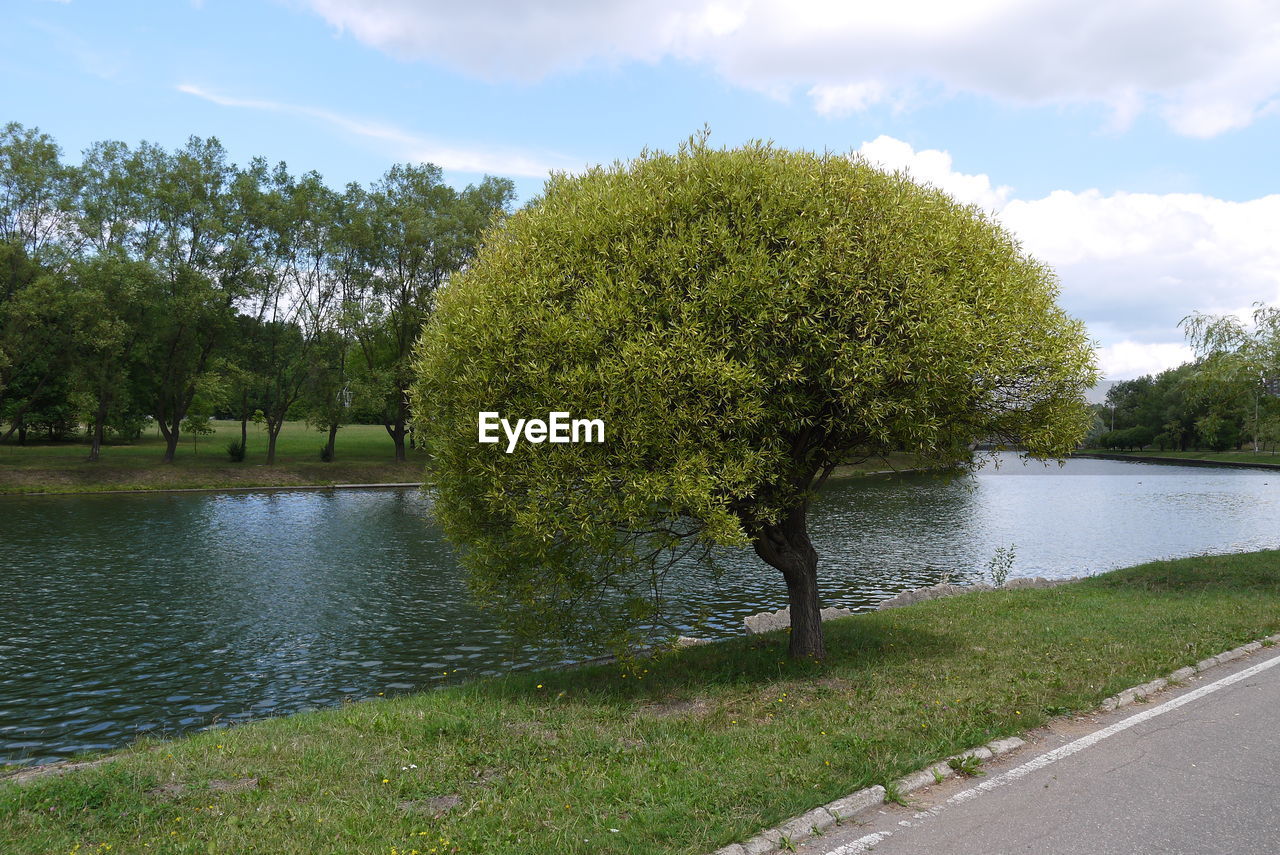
1178 461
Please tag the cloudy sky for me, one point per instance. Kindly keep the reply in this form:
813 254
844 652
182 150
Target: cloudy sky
1133 144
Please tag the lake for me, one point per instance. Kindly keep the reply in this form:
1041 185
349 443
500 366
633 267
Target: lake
127 615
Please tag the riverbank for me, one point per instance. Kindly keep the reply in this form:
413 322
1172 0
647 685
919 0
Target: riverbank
364 454
1230 459
363 458
681 754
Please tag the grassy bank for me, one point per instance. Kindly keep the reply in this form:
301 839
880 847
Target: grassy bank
1224 457
680 755
363 454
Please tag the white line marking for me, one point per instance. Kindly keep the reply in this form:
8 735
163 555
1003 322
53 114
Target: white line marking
863 844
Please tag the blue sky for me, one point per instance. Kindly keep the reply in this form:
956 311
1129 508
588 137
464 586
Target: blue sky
1131 145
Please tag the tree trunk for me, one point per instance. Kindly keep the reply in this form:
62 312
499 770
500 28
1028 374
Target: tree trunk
273 431
244 421
171 437
786 547
333 437
397 431
99 419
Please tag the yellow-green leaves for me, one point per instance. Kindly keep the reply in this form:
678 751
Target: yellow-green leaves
739 319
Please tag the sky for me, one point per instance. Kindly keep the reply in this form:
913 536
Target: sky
1133 145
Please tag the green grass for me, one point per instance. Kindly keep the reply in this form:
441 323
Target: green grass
894 461
364 454
1210 456
680 754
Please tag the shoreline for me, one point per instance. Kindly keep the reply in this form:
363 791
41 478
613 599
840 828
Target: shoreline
262 489
84 490
1175 461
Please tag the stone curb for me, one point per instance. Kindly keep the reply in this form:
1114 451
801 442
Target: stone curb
1137 693
816 821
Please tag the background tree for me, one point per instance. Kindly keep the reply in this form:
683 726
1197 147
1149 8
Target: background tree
187 230
36 193
1237 359
109 304
743 322
289 291
414 232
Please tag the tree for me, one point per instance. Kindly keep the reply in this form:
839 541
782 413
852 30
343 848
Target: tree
1236 362
186 228
36 190
291 290
743 322
109 297
414 233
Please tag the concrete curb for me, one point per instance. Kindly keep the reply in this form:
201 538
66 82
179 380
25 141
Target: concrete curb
784 837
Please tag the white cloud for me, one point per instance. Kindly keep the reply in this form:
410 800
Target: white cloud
849 98
1131 265
1144 261
1125 360
934 167
1206 68
404 143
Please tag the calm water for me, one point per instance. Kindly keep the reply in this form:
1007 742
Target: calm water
136 614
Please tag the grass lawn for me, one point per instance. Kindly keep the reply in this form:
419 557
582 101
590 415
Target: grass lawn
363 454
680 754
1211 456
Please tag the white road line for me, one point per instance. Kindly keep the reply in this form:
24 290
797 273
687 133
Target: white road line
864 844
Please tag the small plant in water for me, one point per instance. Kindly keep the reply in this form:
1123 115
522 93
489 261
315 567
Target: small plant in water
1000 565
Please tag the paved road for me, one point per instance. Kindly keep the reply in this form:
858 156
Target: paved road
1202 777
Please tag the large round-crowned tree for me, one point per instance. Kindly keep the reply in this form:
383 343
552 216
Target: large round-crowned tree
743 321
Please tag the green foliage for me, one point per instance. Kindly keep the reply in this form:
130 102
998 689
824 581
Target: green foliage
134 282
1001 565
235 451
969 765
741 320
1207 403
1239 369
1129 438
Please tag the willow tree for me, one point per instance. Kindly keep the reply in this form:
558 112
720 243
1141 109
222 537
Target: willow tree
743 321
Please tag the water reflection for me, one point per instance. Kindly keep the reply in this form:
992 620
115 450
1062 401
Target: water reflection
136 614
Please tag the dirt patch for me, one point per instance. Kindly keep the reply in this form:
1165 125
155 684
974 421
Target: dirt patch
437 806
535 730
59 768
672 709
235 785
172 790
484 777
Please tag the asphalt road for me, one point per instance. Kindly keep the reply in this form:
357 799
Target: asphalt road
1195 770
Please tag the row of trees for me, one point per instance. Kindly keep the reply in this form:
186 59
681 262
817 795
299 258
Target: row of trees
1225 398
146 284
